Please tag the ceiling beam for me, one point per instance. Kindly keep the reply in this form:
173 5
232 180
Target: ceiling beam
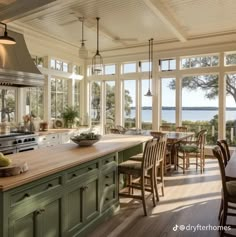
160 11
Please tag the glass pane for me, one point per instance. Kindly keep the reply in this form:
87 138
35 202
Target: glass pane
129 67
168 101
60 105
200 104
146 113
164 65
195 62
215 61
172 64
130 103
230 59
8 105
144 66
53 84
231 109
110 69
53 105
95 112
110 102
59 83
58 65
65 67
185 63
52 64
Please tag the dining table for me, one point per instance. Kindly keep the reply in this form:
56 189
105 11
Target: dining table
230 169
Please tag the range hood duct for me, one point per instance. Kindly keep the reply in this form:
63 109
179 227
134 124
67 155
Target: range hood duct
16 65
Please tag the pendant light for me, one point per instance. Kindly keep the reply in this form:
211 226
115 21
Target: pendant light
5 39
150 53
97 61
83 52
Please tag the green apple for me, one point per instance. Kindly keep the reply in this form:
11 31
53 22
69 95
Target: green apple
4 161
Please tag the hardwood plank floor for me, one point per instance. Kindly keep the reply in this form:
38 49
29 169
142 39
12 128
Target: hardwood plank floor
190 200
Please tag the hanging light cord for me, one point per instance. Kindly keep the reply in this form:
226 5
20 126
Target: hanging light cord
149 54
83 30
97 35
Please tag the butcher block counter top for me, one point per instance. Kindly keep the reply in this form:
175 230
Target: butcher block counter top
53 131
47 161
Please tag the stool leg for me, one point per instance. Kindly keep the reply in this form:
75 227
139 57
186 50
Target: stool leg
152 187
143 195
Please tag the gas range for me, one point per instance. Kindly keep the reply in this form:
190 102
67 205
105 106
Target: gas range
18 142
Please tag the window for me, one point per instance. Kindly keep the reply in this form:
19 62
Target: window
146 110
200 104
230 59
130 103
145 66
59 96
95 101
231 108
8 104
129 67
110 102
167 64
59 65
168 100
200 61
110 69
34 101
77 95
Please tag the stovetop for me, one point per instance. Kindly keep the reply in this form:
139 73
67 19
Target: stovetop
15 134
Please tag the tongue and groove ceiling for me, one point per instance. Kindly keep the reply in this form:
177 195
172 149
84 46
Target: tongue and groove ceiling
123 23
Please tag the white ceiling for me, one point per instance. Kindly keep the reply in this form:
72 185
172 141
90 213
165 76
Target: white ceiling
135 21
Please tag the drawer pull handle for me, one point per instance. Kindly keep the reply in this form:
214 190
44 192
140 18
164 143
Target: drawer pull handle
26 195
38 212
106 185
107 177
42 210
53 137
74 175
90 168
50 185
107 161
107 199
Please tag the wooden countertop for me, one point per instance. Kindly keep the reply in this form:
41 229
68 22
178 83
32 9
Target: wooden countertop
52 131
47 161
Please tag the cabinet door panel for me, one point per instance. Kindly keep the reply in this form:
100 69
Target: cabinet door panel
51 219
74 208
24 226
91 200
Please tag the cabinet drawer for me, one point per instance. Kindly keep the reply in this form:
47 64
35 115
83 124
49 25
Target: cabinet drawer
109 179
76 173
108 160
109 197
23 195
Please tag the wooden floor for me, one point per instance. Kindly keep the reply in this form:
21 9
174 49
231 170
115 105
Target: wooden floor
190 200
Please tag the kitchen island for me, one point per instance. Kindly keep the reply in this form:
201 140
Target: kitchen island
67 191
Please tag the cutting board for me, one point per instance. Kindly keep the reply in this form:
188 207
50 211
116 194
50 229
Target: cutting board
15 168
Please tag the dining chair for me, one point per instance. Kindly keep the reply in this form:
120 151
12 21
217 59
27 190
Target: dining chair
165 128
121 129
160 165
145 168
225 150
195 149
228 193
181 129
114 131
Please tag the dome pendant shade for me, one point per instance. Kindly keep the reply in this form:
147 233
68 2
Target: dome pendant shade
83 52
5 39
97 61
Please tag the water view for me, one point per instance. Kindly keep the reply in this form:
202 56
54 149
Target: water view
190 114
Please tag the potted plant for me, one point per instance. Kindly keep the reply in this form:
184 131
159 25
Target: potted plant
69 116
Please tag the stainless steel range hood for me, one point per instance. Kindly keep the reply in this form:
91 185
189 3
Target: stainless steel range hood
16 65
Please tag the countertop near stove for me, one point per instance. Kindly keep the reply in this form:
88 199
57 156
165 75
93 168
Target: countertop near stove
52 131
47 161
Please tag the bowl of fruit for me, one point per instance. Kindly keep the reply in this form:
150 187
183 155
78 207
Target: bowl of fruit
86 139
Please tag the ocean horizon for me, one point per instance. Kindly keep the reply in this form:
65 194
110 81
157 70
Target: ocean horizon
187 114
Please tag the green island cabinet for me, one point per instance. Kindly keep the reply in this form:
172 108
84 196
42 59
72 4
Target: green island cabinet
68 203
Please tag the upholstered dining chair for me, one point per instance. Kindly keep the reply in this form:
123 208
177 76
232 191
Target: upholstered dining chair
160 165
141 169
181 129
194 148
228 193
